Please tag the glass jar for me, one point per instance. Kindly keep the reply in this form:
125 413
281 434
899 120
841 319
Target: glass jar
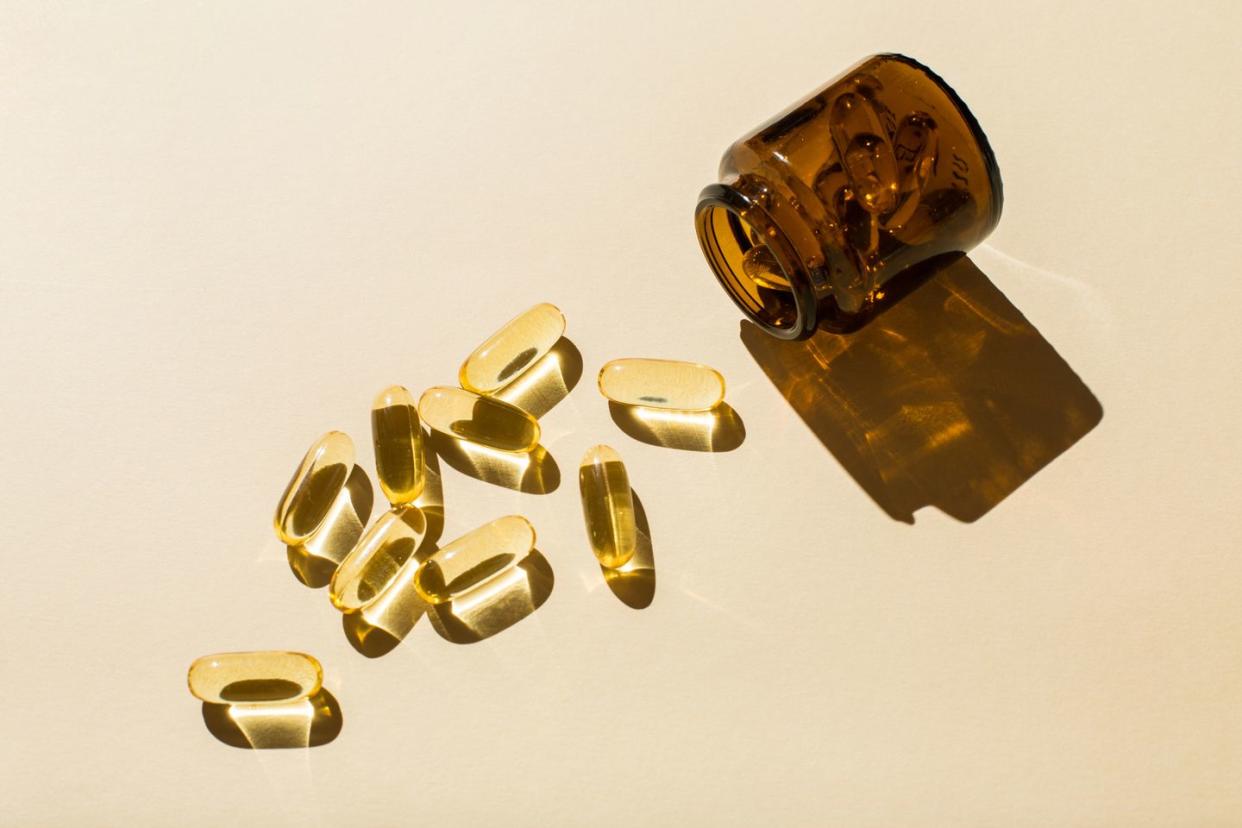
820 209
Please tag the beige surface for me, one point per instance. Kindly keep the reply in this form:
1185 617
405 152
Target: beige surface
224 227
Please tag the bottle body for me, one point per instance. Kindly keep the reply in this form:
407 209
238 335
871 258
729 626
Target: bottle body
821 208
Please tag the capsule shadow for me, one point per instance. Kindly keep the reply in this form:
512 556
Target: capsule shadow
376 629
720 429
314 560
431 499
540 387
496 604
949 398
307 723
634 583
533 472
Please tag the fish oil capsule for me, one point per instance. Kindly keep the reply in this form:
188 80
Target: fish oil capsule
607 506
398 437
483 420
863 145
311 492
512 349
474 558
375 564
760 265
662 383
255 677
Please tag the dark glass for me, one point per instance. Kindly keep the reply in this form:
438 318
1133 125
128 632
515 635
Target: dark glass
819 210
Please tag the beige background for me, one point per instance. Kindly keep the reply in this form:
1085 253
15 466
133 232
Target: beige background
225 226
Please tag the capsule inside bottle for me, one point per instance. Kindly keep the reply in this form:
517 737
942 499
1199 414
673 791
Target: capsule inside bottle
759 264
862 144
607 506
398 437
377 561
314 487
484 420
255 677
662 383
504 355
474 558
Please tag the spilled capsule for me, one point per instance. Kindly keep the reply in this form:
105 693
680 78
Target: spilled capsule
313 488
398 438
607 506
250 677
379 561
662 383
511 350
483 420
474 558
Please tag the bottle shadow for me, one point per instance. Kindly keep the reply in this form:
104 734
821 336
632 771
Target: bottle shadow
309 722
496 604
720 429
533 472
948 398
634 583
314 560
540 387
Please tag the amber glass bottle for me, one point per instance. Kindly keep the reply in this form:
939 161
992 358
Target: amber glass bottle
818 210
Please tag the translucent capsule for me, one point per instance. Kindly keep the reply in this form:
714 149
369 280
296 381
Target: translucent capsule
862 144
915 146
760 265
255 677
376 563
512 349
474 558
398 437
482 420
607 506
662 383
314 487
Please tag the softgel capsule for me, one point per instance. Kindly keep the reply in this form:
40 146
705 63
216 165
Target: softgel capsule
504 355
607 506
255 677
478 419
662 383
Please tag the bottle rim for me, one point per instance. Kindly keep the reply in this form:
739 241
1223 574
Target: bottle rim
734 202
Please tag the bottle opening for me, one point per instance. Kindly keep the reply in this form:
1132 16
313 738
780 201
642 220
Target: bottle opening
748 267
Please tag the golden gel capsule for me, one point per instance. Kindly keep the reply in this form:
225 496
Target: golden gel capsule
474 558
607 506
398 437
314 487
662 383
376 561
255 677
512 349
483 420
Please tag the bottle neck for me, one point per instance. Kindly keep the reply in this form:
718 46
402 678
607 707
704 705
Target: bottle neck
754 253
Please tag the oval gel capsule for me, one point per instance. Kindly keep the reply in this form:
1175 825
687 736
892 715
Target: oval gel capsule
760 265
512 349
375 564
483 420
607 506
474 558
862 144
662 383
319 478
255 677
398 437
